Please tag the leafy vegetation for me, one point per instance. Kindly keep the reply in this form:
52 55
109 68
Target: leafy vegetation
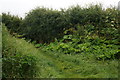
41 24
73 43
29 62
77 44
44 25
12 22
17 61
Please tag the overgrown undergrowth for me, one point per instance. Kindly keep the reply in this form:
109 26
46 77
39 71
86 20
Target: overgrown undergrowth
22 60
72 43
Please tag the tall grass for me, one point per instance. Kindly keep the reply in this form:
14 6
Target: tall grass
19 59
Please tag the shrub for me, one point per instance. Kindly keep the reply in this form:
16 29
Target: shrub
12 22
43 25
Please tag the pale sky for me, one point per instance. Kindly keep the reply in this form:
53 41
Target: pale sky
20 7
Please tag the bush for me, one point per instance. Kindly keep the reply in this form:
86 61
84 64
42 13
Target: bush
43 25
12 22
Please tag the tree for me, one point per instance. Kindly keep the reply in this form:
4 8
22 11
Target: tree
13 23
44 25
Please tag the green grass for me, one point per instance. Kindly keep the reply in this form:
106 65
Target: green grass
12 46
82 66
58 65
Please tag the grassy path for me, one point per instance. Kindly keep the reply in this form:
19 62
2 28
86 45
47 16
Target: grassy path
67 66
47 68
63 67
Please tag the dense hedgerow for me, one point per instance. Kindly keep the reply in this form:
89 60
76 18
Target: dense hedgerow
17 59
44 25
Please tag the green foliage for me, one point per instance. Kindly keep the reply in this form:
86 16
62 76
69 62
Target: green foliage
86 43
78 43
19 66
95 15
12 22
43 25
18 62
18 54
91 15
